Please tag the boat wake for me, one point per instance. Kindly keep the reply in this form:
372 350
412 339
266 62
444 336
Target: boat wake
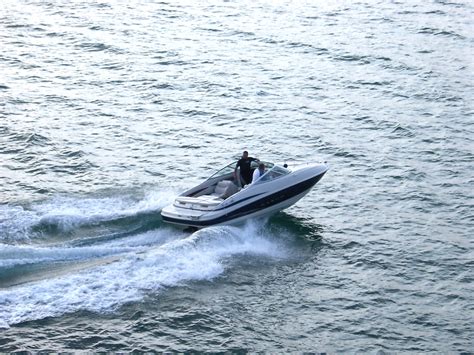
52 276
64 214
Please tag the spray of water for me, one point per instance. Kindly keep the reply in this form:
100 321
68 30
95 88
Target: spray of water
156 260
65 214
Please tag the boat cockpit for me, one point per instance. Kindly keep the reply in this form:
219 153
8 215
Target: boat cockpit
223 184
272 172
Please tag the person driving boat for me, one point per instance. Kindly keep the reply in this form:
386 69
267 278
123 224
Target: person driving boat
244 164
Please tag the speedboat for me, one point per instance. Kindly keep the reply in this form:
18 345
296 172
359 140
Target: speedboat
221 199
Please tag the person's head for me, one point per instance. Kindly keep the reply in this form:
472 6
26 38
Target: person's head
245 155
261 167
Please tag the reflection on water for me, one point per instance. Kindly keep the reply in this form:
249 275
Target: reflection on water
108 110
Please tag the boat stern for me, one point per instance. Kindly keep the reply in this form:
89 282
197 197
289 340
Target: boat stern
180 216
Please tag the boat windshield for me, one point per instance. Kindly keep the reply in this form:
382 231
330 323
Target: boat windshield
228 169
273 173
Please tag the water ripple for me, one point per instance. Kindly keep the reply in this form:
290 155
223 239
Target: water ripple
108 109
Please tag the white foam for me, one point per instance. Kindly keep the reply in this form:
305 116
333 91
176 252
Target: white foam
68 213
15 255
15 222
201 256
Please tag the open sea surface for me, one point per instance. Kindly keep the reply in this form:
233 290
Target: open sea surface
109 109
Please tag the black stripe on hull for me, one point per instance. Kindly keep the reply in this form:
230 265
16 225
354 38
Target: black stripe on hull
253 207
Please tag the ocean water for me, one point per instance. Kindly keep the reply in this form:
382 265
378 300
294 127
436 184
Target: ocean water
108 109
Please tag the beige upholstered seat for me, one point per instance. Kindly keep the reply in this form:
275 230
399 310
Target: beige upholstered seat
225 188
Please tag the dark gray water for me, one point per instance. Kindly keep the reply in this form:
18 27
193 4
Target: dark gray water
109 109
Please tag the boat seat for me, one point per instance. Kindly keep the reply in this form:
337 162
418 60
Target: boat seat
224 189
